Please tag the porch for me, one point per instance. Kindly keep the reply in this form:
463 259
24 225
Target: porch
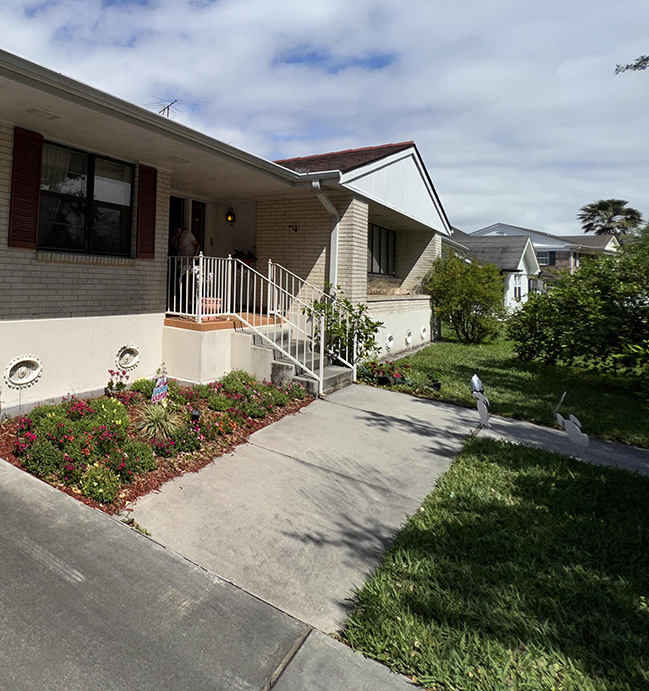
222 314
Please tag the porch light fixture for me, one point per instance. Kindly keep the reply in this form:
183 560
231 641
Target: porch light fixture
230 216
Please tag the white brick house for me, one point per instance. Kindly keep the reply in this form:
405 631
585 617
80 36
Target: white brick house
89 186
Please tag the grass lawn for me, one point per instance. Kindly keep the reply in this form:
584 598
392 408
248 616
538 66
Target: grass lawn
609 407
522 570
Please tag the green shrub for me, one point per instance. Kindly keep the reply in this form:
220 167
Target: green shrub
159 421
43 459
57 413
144 386
113 414
135 458
187 438
253 409
467 296
219 402
100 483
278 396
295 391
343 326
214 425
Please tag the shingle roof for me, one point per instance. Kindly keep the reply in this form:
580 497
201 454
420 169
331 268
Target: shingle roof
343 161
599 241
504 252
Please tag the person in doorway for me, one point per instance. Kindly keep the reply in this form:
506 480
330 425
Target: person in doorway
188 245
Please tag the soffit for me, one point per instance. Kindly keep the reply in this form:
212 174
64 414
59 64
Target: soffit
197 163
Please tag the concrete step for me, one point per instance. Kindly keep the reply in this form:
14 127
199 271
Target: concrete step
334 378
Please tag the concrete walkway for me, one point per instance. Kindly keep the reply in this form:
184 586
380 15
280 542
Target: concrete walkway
301 514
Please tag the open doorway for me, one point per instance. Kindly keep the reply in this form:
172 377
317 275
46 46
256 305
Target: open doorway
176 220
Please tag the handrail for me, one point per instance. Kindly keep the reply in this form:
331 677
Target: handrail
206 287
281 276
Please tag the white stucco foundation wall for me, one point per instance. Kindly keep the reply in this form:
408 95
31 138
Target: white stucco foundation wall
197 357
75 354
399 315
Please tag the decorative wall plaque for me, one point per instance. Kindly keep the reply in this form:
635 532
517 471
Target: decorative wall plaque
128 357
408 337
389 342
23 371
423 333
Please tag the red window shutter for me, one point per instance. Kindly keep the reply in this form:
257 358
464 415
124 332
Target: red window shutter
25 188
146 212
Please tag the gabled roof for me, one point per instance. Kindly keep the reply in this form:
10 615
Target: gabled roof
603 243
505 252
594 241
494 227
343 161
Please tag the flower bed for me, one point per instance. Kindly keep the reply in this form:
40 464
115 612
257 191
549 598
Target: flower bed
110 450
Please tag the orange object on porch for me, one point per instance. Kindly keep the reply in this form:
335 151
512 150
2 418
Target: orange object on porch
210 307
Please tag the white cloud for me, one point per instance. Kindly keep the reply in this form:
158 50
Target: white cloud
513 105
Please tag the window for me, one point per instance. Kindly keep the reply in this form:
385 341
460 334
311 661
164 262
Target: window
518 283
85 203
381 251
546 258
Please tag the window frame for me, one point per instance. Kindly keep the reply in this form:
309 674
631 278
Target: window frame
387 245
90 204
551 257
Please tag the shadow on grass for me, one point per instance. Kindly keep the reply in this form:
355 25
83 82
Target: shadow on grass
517 550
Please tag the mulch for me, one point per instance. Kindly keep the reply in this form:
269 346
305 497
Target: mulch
168 468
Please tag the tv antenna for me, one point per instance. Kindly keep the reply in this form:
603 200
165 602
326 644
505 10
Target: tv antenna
166 106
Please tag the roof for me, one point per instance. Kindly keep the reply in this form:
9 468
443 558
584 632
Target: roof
343 161
505 252
594 241
493 226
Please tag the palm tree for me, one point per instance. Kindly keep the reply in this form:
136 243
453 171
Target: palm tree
609 217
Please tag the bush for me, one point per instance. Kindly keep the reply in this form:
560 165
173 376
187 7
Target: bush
100 484
112 414
344 322
467 296
219 402
597 317
43 459
144 386
135 458
214 425
188 438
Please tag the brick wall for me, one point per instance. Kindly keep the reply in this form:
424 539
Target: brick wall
352 250
416 250
36 285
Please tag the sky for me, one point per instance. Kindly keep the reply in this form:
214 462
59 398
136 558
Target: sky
514 105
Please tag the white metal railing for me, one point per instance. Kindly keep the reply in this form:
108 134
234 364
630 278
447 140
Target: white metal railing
341 346
205 288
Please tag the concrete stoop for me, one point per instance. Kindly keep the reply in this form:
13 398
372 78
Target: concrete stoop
283 371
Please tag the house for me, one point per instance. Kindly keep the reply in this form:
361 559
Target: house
513 255
555 252
90 186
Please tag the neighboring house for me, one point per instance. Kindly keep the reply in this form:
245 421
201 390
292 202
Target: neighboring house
513 255
555 252
90 186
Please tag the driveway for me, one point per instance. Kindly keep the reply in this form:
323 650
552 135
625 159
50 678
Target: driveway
300 515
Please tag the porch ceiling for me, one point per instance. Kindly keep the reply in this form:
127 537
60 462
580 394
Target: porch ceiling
71 113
